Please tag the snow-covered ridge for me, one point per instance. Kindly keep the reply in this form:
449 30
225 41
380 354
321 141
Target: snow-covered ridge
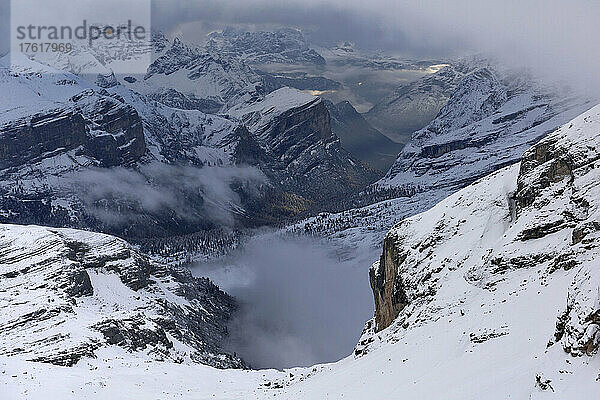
197 73
493 293
305 157
68 294
411 107
259 113
60 127
501 113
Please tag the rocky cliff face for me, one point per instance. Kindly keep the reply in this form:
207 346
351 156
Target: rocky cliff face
464 143
95 123
388 290
492 117
505 269
136 130
411 107
115 129
26 140
70 294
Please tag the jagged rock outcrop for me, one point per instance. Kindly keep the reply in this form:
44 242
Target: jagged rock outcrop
196 78
388 287
66 294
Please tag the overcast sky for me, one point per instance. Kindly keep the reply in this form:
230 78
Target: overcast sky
557 38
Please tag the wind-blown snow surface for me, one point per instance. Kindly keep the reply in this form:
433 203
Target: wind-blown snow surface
501 281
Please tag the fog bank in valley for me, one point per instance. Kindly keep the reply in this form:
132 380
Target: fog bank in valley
300 304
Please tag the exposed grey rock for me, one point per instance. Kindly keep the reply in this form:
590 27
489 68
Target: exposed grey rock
492 117
411 107
101 125
303 156
387 284
553 234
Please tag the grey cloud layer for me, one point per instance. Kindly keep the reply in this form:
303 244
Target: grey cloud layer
557 39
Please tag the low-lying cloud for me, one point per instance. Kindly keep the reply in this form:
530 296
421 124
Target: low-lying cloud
189 192
300 304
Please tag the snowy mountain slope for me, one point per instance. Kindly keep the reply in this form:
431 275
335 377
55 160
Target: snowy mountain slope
198 77
63 128
113 376
66 294
294 129
493 293
189 135
489 121
526 233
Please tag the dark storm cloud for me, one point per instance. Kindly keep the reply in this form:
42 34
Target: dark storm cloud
555 38
325 23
